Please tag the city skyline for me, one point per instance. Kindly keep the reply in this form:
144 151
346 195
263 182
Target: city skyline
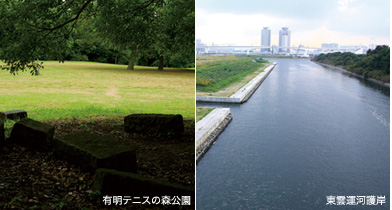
346 22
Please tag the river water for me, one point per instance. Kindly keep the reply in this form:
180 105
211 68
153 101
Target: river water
308 132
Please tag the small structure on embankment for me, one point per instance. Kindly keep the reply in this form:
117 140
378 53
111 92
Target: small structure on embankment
243 94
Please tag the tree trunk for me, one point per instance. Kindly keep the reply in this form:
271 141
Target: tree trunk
132 59
160 67
38 66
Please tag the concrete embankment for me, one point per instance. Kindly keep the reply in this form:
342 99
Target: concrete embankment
209 128
353 74
243 94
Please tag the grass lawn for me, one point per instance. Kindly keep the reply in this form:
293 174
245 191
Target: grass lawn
201 112
75 90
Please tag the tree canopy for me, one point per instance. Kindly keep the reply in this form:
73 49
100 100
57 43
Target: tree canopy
29 29
375 64
60 30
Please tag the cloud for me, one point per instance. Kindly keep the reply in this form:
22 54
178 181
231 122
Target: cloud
280 8
228 28
344 4
311 22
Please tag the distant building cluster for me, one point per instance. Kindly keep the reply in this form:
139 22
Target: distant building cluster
334 47
284 48
329 46
200 47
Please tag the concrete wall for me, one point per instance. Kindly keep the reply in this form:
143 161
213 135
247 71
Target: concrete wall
218 99
209 128
245 92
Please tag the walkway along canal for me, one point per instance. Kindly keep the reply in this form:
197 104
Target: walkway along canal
308 132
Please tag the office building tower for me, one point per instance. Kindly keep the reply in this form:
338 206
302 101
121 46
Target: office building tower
284 40
265 39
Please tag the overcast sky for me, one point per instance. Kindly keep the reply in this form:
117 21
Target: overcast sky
312 22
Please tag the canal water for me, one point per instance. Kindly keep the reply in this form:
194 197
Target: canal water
308 132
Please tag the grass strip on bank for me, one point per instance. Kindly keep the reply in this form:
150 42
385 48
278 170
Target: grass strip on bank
215 73
81 90
233 87
201 112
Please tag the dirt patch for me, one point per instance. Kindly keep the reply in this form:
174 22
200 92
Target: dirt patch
112 92
36 180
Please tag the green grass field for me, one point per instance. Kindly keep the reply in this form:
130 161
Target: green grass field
85 89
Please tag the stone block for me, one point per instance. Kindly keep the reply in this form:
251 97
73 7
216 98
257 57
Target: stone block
2 116
93 151
15 114
154 124
113 182
2 132
31 133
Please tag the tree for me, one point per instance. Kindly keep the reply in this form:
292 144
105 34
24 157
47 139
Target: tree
175 30
126 26
162 26
375 64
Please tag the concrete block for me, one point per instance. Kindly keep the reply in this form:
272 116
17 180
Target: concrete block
31 133
113 182
154 124
92 152
15 114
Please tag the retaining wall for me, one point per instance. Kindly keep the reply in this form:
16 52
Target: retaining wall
209 128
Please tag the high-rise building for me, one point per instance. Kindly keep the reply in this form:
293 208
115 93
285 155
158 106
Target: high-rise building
265 39
284 40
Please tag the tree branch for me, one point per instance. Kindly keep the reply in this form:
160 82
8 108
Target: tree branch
70 20
142 7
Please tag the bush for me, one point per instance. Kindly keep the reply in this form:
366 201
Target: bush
200 82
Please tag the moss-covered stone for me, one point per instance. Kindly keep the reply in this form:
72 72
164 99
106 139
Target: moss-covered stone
113 182
92 151
154 124
15 114
33 134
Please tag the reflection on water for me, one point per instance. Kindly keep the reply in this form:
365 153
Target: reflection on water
306 133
